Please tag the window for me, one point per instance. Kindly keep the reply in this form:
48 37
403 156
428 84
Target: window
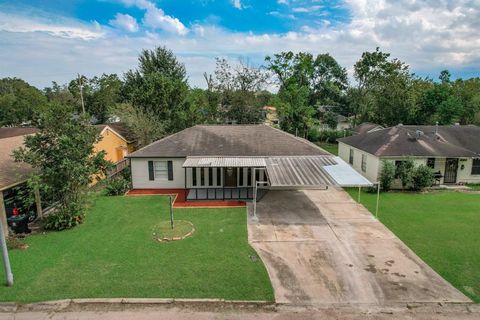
364 162
202 176
431 163
161 170
240 176
219 176
210 176
194 176
350 157
476 166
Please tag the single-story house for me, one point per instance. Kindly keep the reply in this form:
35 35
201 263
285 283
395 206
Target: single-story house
219 162
271 116
366 127
116 141
453 152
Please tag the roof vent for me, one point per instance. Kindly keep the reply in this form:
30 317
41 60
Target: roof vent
457 123
400 125
418 134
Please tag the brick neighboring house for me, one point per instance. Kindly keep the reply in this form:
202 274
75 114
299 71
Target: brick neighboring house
453 152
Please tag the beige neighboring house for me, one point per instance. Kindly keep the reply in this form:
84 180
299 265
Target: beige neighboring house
12 174
453 152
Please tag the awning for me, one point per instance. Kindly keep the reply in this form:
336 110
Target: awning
236 162
345 176
300 171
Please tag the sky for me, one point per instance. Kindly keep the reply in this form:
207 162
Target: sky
51 40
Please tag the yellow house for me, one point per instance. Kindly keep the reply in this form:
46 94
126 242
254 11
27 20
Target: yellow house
114 142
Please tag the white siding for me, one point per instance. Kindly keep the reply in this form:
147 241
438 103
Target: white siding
465 174
373 162
140 179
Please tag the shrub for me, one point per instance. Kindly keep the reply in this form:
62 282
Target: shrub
387 175
116 186
314 134
332 135
422 177
404 172
65 217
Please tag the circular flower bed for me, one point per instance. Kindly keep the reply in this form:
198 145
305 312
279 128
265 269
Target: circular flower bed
163 231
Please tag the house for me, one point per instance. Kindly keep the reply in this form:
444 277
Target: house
222 162
366 127
453 152
116 141
343 123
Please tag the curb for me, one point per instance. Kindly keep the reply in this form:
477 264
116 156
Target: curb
59 305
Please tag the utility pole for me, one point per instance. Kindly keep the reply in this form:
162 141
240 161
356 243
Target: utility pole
81 92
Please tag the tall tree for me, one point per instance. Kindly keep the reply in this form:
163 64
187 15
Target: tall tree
62 153
158 86
239 89
20 103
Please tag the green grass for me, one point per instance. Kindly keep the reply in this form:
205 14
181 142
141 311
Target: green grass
443 228
330 147
475 187
113 255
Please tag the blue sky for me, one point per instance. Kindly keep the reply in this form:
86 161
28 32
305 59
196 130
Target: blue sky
51 40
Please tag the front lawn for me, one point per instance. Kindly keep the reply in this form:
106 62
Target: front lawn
443 228
330 147
113 254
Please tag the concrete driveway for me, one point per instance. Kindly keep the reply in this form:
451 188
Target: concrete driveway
321 247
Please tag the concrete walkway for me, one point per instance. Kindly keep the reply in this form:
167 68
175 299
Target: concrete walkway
320 247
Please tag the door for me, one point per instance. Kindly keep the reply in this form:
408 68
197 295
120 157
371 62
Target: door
230 177
451 168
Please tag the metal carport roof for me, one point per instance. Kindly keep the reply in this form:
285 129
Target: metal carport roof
300 171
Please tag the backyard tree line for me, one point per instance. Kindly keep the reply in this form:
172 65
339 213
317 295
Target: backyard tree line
154 99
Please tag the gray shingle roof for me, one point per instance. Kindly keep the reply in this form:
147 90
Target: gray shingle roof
365 127
450 141
229 140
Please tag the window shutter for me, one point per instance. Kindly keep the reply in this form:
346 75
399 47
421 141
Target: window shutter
151 176
170 170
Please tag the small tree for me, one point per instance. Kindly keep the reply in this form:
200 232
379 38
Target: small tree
422 177
62 154
387 175
404 172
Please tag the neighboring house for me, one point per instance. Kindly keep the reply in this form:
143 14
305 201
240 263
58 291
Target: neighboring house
12 174
453 152
343 123
226 161
271 116
114 142
366 127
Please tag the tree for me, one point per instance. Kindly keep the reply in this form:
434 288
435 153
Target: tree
159 88
239 90
384 89
387 175
62 154
100 94
20 103
143 124
404 172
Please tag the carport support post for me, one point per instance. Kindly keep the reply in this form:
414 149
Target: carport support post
378 199
255 218
359 190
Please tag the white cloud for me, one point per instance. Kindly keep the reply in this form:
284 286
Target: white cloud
124 22
282 2
156 18
237 4
64 28
428 35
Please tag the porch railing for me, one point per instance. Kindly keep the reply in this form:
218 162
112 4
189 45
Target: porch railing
227 193
118 167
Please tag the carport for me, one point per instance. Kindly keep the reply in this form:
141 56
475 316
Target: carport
310 172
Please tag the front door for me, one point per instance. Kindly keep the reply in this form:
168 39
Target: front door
451 168
230 177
